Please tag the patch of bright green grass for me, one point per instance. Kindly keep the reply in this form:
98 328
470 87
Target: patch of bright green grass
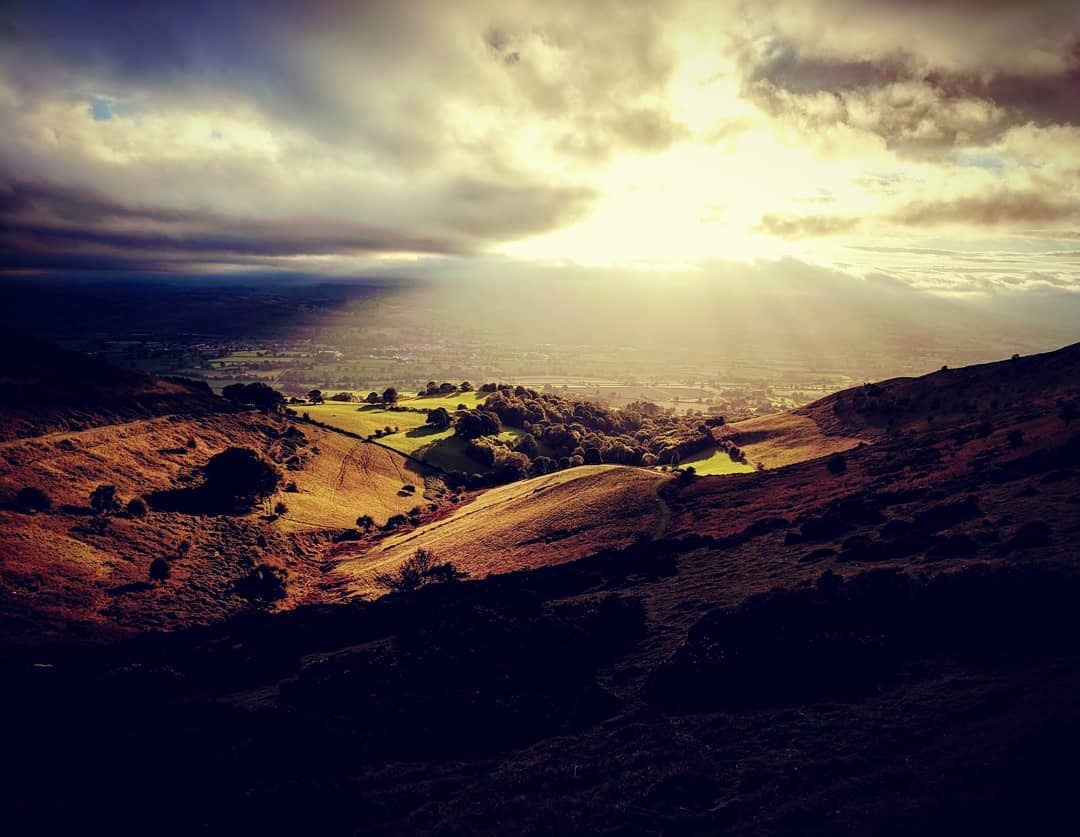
713 462
471 400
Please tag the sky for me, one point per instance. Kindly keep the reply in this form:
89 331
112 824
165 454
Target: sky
934 144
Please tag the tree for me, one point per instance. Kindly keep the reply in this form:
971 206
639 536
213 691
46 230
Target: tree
103 500
687 474
465 386
136 507
315 396
390 396
472 424
837 464
255 394
439 417
432 388
365 522
32 499
239 477
528 446
280 508
422 569
373 398
446 388
265 583
159 570
345 397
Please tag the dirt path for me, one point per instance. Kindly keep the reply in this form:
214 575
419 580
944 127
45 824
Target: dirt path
663 512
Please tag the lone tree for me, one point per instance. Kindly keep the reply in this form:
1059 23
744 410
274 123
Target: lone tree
439 417
103 500
390 396
422 569
239 477
136 507
315 396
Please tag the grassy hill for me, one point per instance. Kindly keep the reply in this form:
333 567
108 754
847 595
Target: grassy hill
532 523
795 645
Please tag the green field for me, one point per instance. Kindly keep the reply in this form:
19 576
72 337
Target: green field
441 448
362 420
471 400
713 462
438 448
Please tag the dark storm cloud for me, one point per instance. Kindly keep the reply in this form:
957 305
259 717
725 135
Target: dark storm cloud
44 225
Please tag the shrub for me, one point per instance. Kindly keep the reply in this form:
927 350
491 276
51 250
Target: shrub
103 500
280 508
365 522
136 507
264 583
239 477
837 464
422 569
32 499
159 570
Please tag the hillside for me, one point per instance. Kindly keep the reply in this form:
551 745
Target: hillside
66 570
794 646
533 523
45 388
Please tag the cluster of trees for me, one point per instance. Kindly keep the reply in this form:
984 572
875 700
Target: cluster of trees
582 432
445 388
256 395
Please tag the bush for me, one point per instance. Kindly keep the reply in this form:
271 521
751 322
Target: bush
136 507
837 464
264 583
239 477
280 508
103 500
422 569
159 570
32 499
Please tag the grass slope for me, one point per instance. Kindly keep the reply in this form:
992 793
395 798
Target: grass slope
536 522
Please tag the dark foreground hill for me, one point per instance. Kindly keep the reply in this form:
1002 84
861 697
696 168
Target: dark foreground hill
885 641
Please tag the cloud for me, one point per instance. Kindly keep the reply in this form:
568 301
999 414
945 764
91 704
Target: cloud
921 76
1004 209
45 225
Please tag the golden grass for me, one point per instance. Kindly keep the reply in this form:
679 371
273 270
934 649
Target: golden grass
347 479
363 421
62 569
536 522
783 439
